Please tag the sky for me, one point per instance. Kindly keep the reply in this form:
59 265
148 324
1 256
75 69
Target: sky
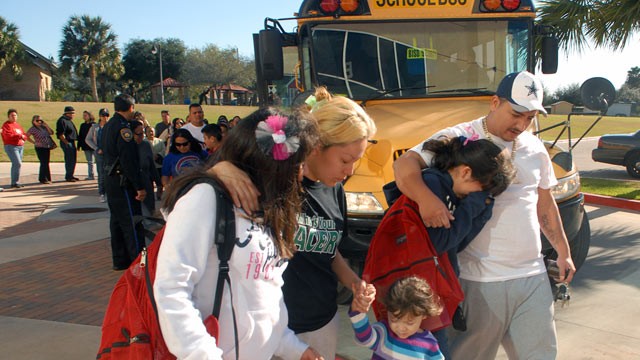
230 23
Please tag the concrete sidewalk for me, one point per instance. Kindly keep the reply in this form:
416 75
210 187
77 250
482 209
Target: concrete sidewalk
55 266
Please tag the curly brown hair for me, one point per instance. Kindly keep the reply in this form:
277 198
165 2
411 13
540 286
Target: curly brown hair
412 295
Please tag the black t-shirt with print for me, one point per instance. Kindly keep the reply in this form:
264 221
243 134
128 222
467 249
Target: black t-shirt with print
310 285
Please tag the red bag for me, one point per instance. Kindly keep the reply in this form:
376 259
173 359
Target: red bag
401 247
130 329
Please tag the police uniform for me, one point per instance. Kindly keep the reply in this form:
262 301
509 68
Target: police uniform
123 177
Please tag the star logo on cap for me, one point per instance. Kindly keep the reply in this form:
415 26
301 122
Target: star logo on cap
533 90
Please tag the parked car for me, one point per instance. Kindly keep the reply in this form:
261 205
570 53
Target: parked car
620 149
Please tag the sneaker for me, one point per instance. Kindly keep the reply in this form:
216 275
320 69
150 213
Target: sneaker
89 178
103 198
17 186
1 189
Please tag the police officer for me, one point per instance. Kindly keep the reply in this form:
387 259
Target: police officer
124 183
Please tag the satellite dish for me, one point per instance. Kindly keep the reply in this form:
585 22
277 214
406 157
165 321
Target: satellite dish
597 94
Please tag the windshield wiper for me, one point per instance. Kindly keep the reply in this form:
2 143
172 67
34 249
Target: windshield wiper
387 92
475 91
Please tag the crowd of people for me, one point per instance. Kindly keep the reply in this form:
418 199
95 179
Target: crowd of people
284 173
87 139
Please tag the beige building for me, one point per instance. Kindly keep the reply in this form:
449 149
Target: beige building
34 82
561 107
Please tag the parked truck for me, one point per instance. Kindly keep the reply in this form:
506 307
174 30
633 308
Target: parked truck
417 66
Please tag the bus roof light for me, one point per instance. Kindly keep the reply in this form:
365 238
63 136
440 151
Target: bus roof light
349 5
510 5
329 6
491 4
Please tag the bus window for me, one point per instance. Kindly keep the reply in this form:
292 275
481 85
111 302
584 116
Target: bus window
417 59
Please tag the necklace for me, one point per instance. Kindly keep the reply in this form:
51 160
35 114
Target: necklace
488 136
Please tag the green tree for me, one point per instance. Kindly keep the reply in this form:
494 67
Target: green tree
569 93
89 46
633 78
142 66
215 66
10 47
607 23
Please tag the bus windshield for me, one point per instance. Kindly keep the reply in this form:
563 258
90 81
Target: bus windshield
418 59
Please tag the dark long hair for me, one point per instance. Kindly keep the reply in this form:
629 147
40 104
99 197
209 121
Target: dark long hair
489 165
174 122
277 180
194 144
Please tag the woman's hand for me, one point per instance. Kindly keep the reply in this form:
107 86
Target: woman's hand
363 296
243 192
311 354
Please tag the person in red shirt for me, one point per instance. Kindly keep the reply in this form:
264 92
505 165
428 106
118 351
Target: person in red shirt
13 137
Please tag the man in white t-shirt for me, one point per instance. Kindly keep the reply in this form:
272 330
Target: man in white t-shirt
196 122
508 299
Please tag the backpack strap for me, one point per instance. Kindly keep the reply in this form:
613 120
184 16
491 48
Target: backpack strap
225 240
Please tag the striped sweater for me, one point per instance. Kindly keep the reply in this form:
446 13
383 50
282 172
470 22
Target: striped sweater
387 346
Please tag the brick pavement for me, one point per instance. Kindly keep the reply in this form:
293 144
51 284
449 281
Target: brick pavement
71 285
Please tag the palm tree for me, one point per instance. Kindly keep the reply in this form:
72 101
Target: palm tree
9 46
607 23
88 44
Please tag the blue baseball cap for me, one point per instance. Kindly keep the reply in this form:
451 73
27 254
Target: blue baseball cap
523 91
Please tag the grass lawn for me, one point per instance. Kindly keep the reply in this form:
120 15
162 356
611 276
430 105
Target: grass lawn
616 188
580 123
51 111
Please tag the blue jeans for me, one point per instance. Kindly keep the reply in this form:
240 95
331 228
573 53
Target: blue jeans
90 156
70 156
15 155
100 168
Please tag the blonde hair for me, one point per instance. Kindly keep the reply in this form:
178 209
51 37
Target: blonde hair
340 120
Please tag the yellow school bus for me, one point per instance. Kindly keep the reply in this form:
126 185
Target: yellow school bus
417 66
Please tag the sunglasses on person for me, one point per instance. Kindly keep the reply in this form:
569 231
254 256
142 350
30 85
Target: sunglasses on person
182 144
138 134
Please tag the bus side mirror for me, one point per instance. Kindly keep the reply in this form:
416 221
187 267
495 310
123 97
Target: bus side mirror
597 94
271 61
549 55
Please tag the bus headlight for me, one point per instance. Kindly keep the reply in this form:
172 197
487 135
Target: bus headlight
363 203
567 187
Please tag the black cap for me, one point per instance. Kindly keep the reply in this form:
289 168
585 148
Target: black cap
69 110
103 112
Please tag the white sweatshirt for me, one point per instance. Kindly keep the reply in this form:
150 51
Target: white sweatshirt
186 277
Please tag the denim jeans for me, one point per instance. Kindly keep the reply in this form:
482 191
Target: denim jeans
15 155
100 168
70 156
90 156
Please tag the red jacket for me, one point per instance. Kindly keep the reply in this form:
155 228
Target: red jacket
13 134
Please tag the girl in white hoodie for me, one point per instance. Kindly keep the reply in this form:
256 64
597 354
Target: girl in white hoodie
270 147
